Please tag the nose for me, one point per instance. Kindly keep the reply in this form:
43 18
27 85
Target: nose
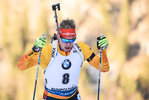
68 44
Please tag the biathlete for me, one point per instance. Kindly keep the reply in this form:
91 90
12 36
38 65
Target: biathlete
62 61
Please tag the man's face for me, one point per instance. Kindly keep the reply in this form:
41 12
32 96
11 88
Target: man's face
65 46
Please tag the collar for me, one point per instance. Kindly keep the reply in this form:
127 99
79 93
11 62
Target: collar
62 52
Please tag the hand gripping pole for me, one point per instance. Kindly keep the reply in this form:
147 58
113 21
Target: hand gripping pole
38 68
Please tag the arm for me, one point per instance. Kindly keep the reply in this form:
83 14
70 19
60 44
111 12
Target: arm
31 58
28 60
104 64
93 59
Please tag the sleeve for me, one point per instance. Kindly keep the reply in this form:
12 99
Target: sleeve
93 59
30 59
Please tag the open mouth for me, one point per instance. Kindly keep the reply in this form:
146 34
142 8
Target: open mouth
67 48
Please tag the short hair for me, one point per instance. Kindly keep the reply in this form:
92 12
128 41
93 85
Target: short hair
67 24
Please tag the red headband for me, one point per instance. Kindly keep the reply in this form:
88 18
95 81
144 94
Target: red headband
67 33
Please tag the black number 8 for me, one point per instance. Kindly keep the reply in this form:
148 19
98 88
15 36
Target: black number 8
65 78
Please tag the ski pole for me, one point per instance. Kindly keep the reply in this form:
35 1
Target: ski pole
99 74
40 49
100 61
36 75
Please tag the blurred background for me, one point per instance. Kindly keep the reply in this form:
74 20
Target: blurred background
125 23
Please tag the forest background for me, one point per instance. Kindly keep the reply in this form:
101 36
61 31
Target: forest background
125 23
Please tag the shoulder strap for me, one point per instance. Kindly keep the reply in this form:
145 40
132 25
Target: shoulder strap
54 51
76 46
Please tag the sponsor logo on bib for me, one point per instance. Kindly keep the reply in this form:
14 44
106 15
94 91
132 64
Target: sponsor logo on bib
66 64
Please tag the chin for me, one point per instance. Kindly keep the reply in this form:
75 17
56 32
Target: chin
67 50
